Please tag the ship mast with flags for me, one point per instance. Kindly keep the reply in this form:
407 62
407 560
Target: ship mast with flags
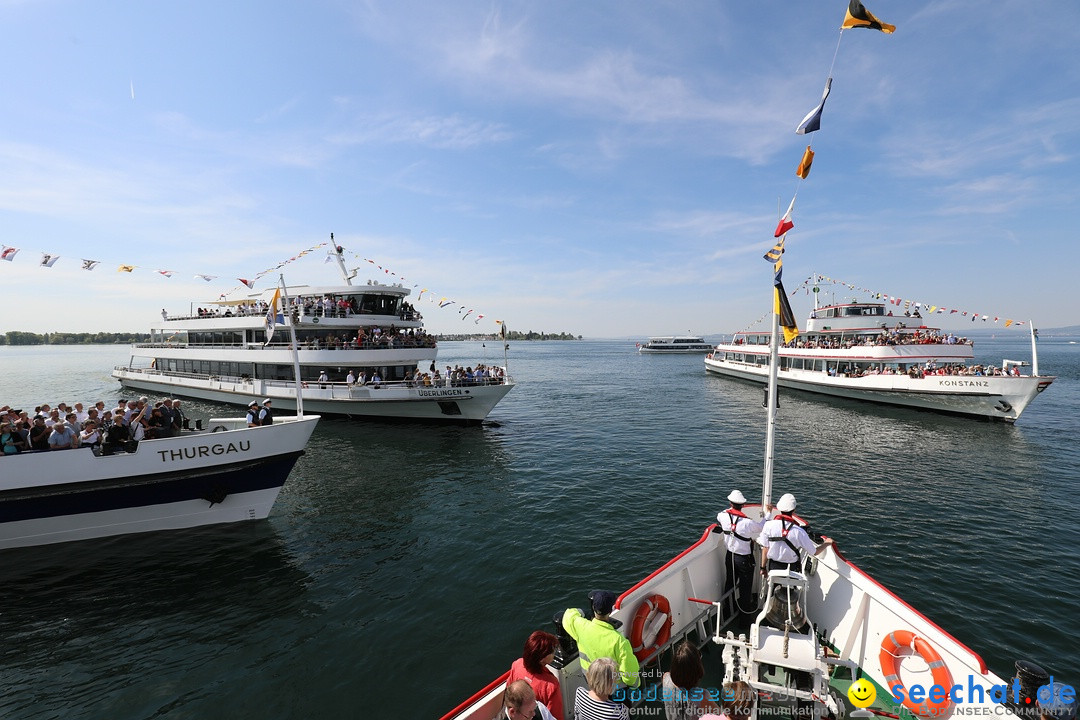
857 16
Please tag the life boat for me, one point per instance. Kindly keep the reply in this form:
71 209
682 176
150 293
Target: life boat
651 628
889 658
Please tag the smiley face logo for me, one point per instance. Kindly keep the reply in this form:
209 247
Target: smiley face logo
862 693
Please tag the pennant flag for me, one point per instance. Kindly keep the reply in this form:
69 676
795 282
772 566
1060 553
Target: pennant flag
446 302
773 255
125 268
804 165
271 316
207 278
858 16
785 223
466 315
812 121
8 253
89 264
249 283
421 294
48 260
167 273
329 258
502 328
781 306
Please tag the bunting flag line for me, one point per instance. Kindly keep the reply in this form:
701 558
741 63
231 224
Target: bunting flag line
8 253
858 16
249 283
89 264
48 260
804 165
125 268
812 121
914 308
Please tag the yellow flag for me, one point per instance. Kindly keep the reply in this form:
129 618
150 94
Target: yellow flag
804 165
125 268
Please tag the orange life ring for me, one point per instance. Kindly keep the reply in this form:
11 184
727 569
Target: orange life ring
890 665
648 612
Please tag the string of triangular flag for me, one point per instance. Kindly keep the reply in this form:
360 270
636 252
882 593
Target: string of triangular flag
49 260
442 302
923 307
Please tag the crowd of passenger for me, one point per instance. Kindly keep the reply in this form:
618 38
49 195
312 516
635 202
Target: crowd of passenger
328 306
372 338
458 376
887 336
930 368
72 426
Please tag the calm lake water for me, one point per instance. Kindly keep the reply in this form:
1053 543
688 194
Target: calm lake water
404 565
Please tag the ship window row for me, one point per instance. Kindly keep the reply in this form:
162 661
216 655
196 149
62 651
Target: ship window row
831 367
311 339
860 311
268 371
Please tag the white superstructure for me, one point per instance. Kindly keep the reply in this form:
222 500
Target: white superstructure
221 353
861 351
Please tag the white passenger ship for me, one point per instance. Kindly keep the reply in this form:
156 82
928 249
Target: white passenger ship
675 344
858 351
368 331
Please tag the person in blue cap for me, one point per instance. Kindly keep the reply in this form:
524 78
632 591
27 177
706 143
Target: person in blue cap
597 638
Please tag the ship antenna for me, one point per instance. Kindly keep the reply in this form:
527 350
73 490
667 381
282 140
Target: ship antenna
338 253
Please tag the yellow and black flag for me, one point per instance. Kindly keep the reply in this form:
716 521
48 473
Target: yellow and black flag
782 307
773 255
859 17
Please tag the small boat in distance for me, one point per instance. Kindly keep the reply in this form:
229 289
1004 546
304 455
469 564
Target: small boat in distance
675 344
363 352
226 474
861 351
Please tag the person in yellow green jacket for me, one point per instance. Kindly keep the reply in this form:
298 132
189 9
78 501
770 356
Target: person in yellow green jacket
597 638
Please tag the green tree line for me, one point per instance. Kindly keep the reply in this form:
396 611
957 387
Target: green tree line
18 337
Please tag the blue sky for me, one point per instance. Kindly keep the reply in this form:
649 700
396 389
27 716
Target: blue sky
605 168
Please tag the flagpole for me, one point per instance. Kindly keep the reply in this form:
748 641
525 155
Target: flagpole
1034 352
286 312
771 402
506 361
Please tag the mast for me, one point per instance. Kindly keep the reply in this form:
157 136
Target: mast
771 402
338 253
1034 352
286 312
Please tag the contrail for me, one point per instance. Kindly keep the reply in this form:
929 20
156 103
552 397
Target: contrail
132 89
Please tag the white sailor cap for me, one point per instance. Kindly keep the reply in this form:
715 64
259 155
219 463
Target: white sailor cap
786 503
266 401
737 497
253 403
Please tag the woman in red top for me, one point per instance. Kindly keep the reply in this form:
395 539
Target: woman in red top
532 667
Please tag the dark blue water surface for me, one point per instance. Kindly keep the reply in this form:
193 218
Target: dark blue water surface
404 565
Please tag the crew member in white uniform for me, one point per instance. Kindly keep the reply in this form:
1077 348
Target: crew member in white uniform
783 540
740 532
